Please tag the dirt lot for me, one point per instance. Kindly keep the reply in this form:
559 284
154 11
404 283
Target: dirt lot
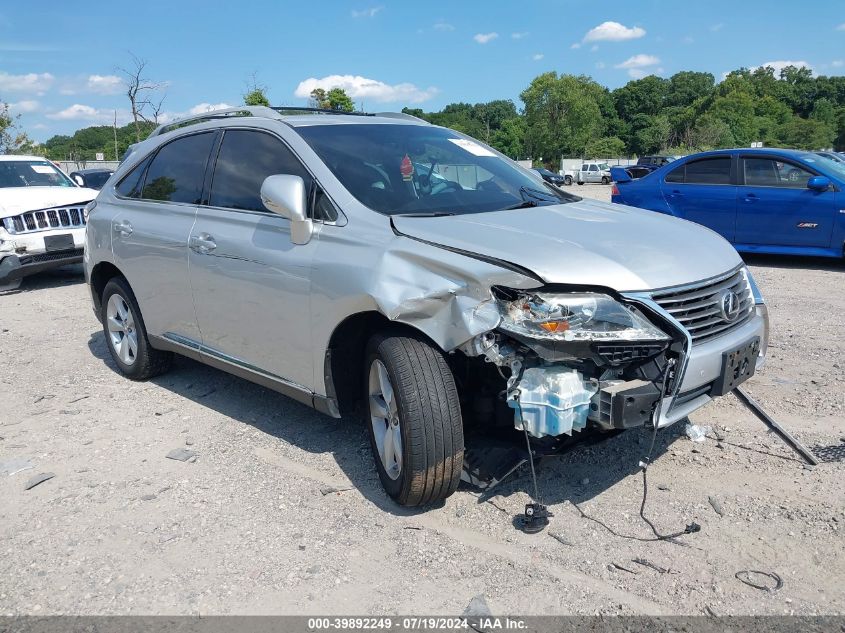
247 529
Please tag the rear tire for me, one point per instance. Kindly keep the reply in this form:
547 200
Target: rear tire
126 336
580 182
568 181
605 180
414 419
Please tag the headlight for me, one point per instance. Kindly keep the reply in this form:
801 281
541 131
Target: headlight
576 317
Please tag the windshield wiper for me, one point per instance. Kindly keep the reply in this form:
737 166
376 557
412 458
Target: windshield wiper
525 204
426 214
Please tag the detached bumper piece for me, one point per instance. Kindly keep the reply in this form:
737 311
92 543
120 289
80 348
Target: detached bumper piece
13 267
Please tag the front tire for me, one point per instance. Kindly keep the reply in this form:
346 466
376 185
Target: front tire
414 419
126 336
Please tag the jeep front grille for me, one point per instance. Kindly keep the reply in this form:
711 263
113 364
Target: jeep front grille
61 217
698 307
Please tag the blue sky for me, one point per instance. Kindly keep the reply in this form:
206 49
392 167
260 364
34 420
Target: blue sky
59 61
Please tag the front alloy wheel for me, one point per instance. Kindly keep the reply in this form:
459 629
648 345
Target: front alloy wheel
123 336
384 417
414 419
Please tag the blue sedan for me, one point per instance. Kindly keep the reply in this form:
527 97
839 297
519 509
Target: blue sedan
761 200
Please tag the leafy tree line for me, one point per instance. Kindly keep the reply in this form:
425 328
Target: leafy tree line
573 115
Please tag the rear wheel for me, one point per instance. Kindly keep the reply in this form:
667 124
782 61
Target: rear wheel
126 336
580 182
605 180
567 180
413 419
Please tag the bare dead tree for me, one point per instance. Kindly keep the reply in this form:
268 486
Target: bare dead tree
141 92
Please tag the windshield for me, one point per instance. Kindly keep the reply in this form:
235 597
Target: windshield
604 167
95 180
425 170
31 173
830 167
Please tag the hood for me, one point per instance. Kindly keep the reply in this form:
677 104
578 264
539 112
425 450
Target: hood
15 200
586 243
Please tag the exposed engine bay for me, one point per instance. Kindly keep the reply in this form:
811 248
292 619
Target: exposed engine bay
560 363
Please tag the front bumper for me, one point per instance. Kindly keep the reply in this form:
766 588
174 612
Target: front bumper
703 367
13 267
27 254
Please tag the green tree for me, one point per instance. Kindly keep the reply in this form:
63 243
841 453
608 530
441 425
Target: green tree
510 138
333 99
801 133
256 94
641 96
12 138
686 87
605 147
562 114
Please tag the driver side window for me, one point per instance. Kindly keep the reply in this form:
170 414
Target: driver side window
245 159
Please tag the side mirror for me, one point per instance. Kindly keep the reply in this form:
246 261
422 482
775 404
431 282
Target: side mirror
819 183
285 195
620 174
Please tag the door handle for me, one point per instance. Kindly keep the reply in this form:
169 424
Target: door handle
124 228
676 194
202 243
750 197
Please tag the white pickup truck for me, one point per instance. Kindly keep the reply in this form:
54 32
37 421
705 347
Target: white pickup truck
589 172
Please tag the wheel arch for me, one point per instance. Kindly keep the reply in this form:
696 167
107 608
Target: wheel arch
100 276
343 365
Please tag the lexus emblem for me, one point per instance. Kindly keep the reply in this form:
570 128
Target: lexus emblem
729 306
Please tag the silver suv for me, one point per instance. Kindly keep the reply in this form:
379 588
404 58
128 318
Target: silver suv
379 264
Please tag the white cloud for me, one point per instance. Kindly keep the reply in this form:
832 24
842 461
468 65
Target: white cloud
201 108
639 61
613 32
443 26
105 84
359 87
837 63
594 48
28 105
366 13
33 83
575 46
537 57
519 35
80 112
781 64
841 27
483 38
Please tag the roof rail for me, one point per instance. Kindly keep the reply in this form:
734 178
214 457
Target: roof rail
295 109
401 115
212 115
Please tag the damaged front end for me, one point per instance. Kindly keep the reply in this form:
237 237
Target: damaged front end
577 359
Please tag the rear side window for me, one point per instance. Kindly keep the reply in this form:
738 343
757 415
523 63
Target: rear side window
130 186
177 170
706 171
246 158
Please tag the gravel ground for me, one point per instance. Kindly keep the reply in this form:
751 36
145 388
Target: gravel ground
251 527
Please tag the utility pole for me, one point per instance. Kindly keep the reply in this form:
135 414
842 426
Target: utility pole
116 157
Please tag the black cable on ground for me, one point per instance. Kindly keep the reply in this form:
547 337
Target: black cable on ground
644 463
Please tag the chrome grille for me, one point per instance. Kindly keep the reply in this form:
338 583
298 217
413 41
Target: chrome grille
61 217
698 306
